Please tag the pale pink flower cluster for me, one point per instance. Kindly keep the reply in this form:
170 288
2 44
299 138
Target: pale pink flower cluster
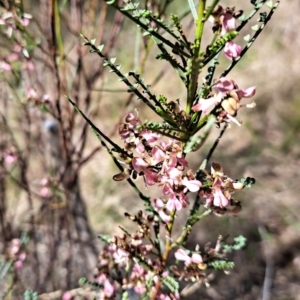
219 195
159 162
15 253
9 20
119 254
227 93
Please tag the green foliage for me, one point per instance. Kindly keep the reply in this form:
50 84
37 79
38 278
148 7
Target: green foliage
248 181
125 295
30 295
239 243
85 282
221 264
171 283
105 238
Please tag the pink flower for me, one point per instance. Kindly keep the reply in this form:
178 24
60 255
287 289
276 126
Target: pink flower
204 105
19 263
9 157
120 256
150 177
232 50
137 270
140 288
12 57
176 201
191 185
158 155
5 66
180 254
108 288
164 297
246 93
26 19
219 198
139 164
175 175
223 86
45 189
174 204
228 23
150 137
159 206
29 65
15 246
220 88
67 296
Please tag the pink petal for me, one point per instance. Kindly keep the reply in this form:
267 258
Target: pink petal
158 203
108 288
44 191
139 164
166 218
219 198
228 23
224 85
180 254
174 204
18 264
204 105
150 177
247 93
196 258
158 155
67 296
232 50
183 161
192 185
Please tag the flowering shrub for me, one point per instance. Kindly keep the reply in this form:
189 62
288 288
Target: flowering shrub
147 261
154 261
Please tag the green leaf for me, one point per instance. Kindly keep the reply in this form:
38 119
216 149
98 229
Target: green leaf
270 4
171 283
125 295
30 295
247 37
100 48
255 27
242 18
93 41
221 264
113 59
240 242
248 182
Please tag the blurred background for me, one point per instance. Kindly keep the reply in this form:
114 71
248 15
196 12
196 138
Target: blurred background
56 187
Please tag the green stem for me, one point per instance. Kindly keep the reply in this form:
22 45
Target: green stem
152 32
187 229
58 31
168 246
196 57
